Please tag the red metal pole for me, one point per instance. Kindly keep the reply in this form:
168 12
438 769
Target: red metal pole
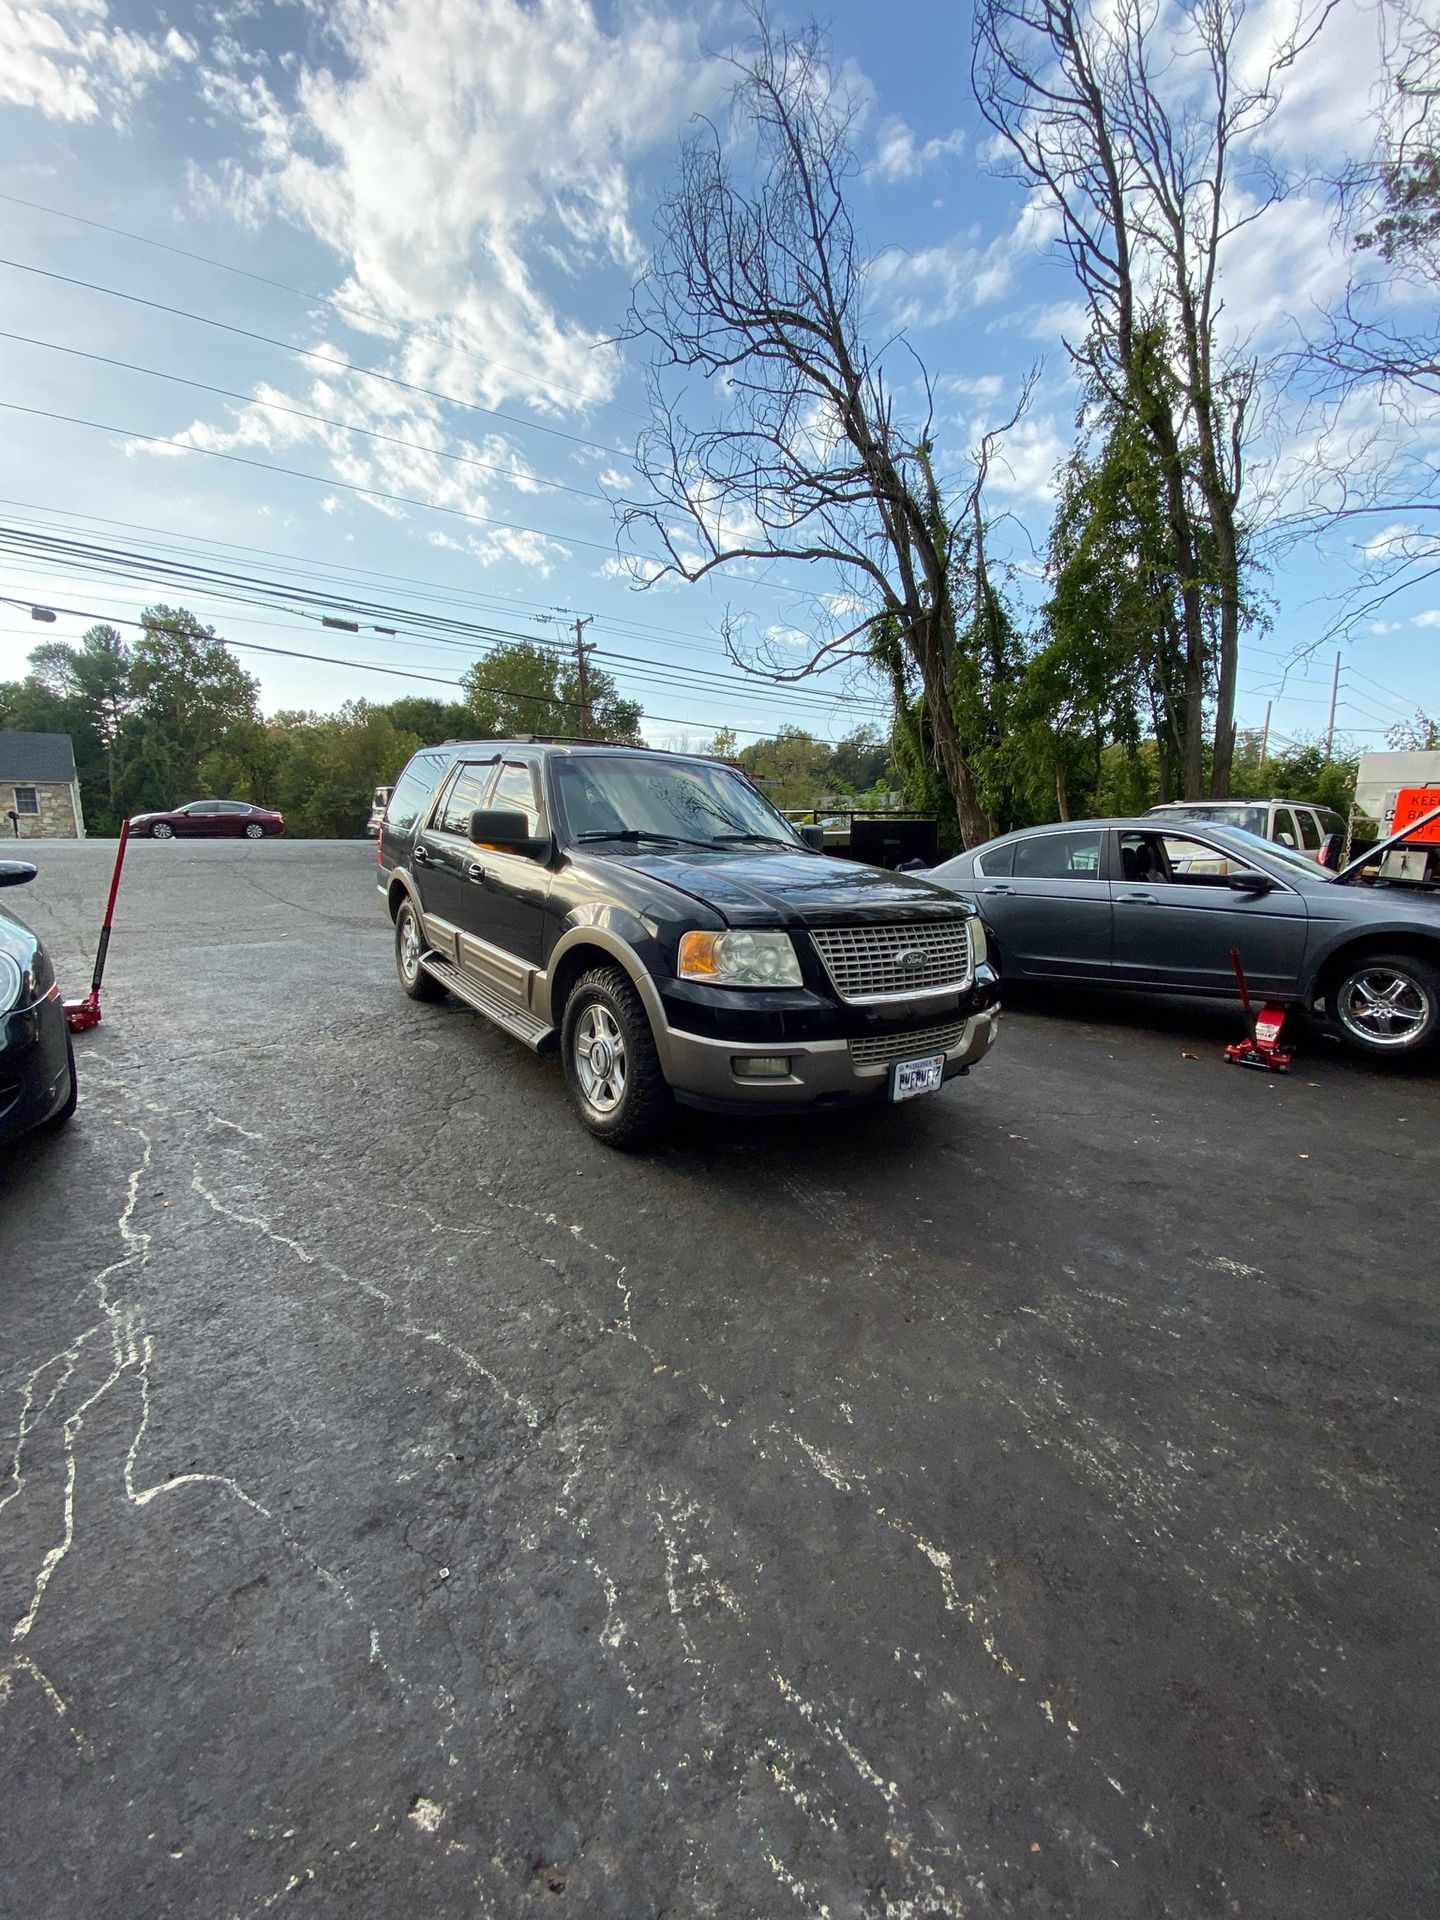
80 1014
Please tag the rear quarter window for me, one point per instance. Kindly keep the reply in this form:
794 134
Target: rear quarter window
413 790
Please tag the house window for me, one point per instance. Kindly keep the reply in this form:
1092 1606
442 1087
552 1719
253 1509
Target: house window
27 800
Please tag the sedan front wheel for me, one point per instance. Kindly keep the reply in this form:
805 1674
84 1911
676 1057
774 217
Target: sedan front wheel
162 830
1388 1004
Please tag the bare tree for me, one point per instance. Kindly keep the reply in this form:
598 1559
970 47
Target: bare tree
1376 365
1129 122
758 287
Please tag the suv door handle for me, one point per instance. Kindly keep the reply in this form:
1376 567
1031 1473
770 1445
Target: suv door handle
475 871
420 855
1136 900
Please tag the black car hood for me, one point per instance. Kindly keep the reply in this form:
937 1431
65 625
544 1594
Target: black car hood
750 887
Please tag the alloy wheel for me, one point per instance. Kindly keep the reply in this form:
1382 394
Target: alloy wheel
600 1060
1383 1007
409 944
254 832
163 832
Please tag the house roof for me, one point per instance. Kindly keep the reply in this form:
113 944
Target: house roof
31 757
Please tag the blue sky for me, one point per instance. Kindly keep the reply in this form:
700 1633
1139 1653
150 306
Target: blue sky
458 193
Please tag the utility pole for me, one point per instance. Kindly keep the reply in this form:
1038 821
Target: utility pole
1330 730
583 652
1265 736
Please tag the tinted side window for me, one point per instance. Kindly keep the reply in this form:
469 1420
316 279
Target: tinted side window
1283 829
515 793
1310 835
467 792
416 784
1059 856
999 860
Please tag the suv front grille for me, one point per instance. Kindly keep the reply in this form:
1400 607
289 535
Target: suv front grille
906 1046
895 962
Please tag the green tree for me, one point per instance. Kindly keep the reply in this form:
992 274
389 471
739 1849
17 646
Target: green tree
724 746
190 691
1418 735
524 688
792 769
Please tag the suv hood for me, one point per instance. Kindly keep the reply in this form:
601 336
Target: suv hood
755 888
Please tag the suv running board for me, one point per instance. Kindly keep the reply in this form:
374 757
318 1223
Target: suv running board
511 1019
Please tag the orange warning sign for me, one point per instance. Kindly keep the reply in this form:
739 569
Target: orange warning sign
1411 804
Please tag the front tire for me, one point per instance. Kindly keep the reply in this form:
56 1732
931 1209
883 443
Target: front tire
254 831
162 830
612 1069
1387 1004
409 945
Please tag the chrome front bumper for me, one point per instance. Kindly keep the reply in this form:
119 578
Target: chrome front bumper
822 1072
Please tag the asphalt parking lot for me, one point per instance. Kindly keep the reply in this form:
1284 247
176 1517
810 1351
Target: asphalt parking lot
1022 1503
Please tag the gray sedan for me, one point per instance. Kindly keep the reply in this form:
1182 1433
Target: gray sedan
1134 903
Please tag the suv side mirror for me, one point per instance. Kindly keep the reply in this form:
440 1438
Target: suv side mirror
508 832
16 873
814 838
1250 882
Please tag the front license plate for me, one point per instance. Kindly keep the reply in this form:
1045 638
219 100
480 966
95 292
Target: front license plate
911 1077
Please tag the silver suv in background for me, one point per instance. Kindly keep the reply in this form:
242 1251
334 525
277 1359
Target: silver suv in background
1295 824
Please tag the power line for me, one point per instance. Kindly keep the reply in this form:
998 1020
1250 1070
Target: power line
316 479
324 299
309 353
561 540
301 413
69 555
429 590
365 666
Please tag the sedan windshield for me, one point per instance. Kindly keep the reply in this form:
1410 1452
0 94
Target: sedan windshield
1247 819
607 797
1279 856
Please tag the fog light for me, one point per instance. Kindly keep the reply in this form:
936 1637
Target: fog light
761 1066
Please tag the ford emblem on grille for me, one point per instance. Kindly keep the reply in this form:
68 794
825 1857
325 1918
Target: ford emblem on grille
910 958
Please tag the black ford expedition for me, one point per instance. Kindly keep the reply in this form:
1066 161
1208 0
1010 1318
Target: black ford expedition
656 918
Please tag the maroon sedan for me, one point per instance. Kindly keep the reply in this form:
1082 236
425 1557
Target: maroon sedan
232 817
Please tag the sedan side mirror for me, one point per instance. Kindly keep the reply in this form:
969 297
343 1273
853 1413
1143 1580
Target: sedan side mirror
1250 882
16 873
507 832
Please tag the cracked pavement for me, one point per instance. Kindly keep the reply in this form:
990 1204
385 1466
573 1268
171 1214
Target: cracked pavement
1019 1504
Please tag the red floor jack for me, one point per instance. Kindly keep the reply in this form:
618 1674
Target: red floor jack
1263 1048
81 1014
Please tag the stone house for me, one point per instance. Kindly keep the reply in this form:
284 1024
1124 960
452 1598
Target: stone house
39 785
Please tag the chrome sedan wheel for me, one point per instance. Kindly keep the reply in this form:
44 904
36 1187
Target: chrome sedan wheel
254 831
162 830
600 1062
1382 1004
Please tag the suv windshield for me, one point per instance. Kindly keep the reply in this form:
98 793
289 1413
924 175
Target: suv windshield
1248 819
671 800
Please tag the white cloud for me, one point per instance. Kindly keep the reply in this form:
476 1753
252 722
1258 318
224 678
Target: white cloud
899 157
330 504
1430 618
1024 462
933 285
443 147
65 59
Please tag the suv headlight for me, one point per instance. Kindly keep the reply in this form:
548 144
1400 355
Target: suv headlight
977 940
739 959
12 983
